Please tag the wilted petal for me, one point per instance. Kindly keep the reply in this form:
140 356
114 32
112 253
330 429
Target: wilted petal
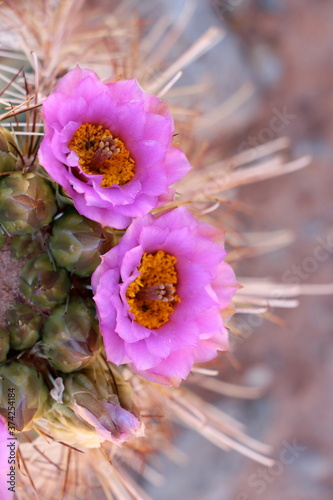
113 416
109 420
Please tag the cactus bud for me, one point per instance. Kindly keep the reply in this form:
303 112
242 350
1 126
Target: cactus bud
4 345
30 393
40 283
77 243
7 150
23 325
109 419
70 337
26 203
23 245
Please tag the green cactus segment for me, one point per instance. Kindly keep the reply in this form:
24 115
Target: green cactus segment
23 246
7 151
70 337
28 390
43 285
4 345
77 243
26 203
24 326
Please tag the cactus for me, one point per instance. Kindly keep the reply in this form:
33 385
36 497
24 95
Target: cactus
23 326
30 393
71 337
42 284
23 246
26 203
77 243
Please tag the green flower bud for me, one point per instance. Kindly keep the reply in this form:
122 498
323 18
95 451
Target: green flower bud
23 325
4 345
23 245
77 243
70 337
40 283
7 160
27 390
26 203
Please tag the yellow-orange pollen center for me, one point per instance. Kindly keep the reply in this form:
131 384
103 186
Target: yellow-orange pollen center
101 153
152 295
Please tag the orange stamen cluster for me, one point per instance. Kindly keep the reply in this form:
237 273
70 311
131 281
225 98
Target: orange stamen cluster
151 296
101 153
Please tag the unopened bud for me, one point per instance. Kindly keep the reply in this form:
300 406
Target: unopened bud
26 203
71 337
105 414
77 243
43 285
23 325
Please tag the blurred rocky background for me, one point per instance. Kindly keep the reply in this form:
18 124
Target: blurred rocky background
285 51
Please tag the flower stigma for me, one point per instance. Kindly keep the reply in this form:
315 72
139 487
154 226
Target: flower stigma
152 295
100 152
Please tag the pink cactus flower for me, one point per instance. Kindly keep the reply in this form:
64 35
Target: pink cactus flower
110 147
159 296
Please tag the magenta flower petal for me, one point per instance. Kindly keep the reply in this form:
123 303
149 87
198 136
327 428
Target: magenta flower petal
191 329
115 344
179 364
68 83
226 290
176 164
104 184
140 355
